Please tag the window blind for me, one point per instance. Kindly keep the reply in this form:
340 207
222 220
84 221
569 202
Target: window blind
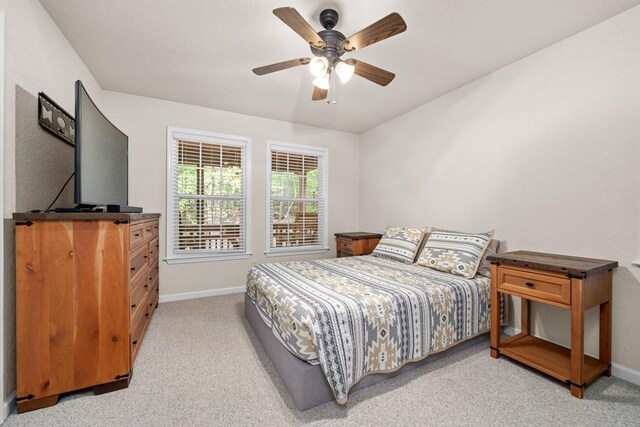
297 206
208 197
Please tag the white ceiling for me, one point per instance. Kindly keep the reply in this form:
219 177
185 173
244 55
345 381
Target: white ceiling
201 52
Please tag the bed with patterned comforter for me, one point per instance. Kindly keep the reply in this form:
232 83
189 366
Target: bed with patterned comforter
361 315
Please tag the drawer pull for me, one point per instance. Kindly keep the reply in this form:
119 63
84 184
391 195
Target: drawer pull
146 315
134 342
529 284
137 234
145 257
146 286
133 269
133 305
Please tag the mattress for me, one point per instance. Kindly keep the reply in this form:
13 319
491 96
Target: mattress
362 315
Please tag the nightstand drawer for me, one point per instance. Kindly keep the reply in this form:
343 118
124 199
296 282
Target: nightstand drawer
344 245
536 286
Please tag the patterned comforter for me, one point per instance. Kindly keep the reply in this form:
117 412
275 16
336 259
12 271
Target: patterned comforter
361 315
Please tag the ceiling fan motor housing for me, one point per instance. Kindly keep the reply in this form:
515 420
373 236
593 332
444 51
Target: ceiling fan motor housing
333 40
333 45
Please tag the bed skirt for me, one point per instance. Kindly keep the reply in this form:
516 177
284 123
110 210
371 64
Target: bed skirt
306 383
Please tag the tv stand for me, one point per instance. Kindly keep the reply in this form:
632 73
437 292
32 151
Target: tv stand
86 289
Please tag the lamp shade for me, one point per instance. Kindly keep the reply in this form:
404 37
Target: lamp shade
318 66
344 71
322 82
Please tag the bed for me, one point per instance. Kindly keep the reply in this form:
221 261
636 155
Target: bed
337 325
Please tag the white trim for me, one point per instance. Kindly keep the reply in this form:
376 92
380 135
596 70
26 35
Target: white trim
205 136
300 149
201 294
295 251
624 373
6 407
9 405
207 258
510 330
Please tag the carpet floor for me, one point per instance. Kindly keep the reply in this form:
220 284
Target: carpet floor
201 364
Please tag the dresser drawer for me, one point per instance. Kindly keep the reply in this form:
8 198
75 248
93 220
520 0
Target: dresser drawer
139 294
534 285
152 301
152 276
148 230
154 249
344 245
137 333
138 261
155 230
136 235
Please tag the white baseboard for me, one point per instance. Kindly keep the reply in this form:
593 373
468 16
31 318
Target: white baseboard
510 330
624 373
202 294
9 405
618 371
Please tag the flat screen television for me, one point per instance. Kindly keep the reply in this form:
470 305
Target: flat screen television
101 159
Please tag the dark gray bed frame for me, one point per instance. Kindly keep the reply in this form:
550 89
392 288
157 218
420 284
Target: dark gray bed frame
306 383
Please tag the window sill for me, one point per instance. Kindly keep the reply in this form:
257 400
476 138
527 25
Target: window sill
293 252
209 258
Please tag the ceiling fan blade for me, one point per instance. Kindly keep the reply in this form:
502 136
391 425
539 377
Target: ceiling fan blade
372 73
388 26
293 19
280 66
319 94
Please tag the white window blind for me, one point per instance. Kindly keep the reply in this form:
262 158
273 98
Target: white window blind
207 206
297 198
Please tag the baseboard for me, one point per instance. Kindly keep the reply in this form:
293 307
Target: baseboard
510 330
201 294
624 373
618 371
9 405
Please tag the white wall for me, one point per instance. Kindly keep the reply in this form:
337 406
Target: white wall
145 121
39 59
545 151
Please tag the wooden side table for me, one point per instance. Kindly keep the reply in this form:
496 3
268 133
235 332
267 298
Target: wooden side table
571 283
356 243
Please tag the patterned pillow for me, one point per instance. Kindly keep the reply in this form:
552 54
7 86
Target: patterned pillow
485 265
399 244
454 252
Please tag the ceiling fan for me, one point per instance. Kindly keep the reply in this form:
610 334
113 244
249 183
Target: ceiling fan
329 45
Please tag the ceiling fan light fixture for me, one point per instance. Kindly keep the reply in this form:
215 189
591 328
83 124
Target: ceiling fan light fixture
319 66
322 82
344 71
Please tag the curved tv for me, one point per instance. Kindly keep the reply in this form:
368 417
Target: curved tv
101 156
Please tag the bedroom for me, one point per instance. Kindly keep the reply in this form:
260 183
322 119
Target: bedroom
525 122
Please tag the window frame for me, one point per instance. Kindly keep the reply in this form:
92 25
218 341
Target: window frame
323 154
175 133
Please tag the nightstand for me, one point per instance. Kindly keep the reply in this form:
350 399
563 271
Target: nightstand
571 283
356 243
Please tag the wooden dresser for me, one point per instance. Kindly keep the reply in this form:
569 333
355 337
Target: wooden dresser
570 283
86 289
356 243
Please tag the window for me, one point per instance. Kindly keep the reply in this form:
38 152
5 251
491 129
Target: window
297 198
207 196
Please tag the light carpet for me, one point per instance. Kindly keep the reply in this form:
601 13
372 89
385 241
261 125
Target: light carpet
201 364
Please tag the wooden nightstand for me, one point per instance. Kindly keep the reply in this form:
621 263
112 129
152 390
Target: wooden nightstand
571 283
357 243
